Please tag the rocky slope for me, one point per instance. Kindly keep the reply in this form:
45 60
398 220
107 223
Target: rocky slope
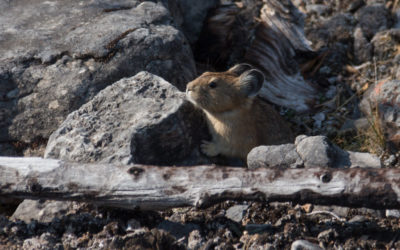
101 81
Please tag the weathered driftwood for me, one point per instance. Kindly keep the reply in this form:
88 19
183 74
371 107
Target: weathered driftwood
278 38
150 187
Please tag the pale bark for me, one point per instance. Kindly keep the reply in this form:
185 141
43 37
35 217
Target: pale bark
277 39
155 188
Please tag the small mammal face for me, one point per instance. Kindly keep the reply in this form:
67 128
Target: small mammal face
218 92
238 121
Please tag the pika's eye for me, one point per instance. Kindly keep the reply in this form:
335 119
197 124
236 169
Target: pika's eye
212 85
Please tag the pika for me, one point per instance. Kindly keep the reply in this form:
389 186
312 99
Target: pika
237 118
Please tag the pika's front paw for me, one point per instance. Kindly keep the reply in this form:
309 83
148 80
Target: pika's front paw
209 148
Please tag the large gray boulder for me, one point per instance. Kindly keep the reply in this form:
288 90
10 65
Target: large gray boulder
142 119
57 55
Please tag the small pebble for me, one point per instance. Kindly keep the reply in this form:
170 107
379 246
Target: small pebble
331 92
132 225
390 161
304 245
392 213
358 219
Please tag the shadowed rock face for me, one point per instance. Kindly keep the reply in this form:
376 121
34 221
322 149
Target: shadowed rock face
142 119
55 56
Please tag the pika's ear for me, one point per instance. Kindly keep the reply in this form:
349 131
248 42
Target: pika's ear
238 69
251 82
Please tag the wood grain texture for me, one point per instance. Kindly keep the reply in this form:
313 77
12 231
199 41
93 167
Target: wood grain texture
156 188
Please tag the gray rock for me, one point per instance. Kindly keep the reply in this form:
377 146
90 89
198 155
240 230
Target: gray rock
284 155
390 161
318 119
318 151
373 18
45 241
392 213
41 211
178 230
332 91
362 48
304 245
360 159
195 240
132 225
385 92
236 212
142 119
309 151
385 96
55 56
358 219
257 246
33 243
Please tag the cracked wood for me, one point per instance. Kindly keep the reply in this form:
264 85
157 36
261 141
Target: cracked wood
155 188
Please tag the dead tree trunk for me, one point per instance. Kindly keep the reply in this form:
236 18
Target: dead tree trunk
277 39
150 187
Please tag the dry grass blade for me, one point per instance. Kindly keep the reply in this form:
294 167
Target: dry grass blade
327 213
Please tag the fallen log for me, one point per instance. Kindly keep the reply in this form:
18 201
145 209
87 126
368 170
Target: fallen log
155 188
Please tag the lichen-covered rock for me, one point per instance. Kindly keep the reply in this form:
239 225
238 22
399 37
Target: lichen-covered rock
385 96
142 119
57 55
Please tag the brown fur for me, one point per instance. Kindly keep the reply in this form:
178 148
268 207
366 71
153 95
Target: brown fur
237 121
